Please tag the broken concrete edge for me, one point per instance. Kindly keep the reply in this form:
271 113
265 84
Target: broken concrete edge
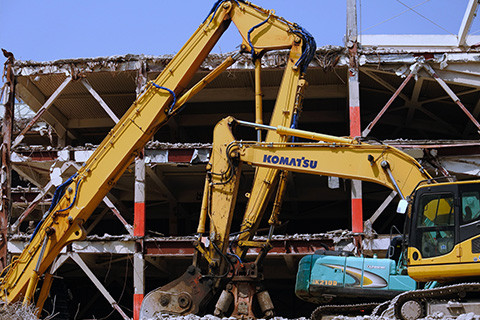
335 235
158 145
153 145
155 152
297 244
326 57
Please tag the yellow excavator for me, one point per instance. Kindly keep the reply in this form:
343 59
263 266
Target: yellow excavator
76 199
442 233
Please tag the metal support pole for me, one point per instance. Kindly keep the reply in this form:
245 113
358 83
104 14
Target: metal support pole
41 111
139 231
452 95
44 191
31 206
413 72
382 207
354 107
467 22
139 195
76 257
117 213
6 168
99 99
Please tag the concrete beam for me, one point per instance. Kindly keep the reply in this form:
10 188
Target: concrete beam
453 77
416 42
182 246
468 165
90 123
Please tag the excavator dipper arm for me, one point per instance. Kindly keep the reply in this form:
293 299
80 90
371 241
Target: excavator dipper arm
261 31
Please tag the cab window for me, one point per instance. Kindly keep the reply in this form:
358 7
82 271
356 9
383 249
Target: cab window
437 210
470 206
436 224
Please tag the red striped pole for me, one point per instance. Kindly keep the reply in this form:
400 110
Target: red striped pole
139 231
354 107
355 131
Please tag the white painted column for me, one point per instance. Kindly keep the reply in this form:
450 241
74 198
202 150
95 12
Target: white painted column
139 216
354 108
139 231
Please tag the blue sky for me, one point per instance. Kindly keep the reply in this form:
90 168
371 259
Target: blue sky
43 30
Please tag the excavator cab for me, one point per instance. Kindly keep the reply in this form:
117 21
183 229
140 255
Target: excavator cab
444 232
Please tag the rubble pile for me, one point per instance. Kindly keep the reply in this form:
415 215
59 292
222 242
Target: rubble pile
17 311
207 317
436 316
467 316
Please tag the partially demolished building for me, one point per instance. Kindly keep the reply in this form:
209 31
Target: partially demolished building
418 93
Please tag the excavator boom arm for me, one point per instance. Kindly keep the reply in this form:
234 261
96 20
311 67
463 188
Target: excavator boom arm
338 160
86 189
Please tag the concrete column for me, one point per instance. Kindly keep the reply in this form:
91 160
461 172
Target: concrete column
139 231
354 108
139 215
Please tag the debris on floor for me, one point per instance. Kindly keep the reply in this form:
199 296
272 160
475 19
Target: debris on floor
17 311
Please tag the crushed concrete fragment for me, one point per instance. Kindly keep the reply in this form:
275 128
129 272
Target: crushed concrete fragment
20 189
435 316
336 236
17 311
105 237
468 316
89 146
167 145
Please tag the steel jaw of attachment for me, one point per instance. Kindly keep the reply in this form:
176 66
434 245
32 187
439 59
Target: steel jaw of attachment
187 294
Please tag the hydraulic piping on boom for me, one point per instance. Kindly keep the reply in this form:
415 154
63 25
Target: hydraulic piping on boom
261 31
